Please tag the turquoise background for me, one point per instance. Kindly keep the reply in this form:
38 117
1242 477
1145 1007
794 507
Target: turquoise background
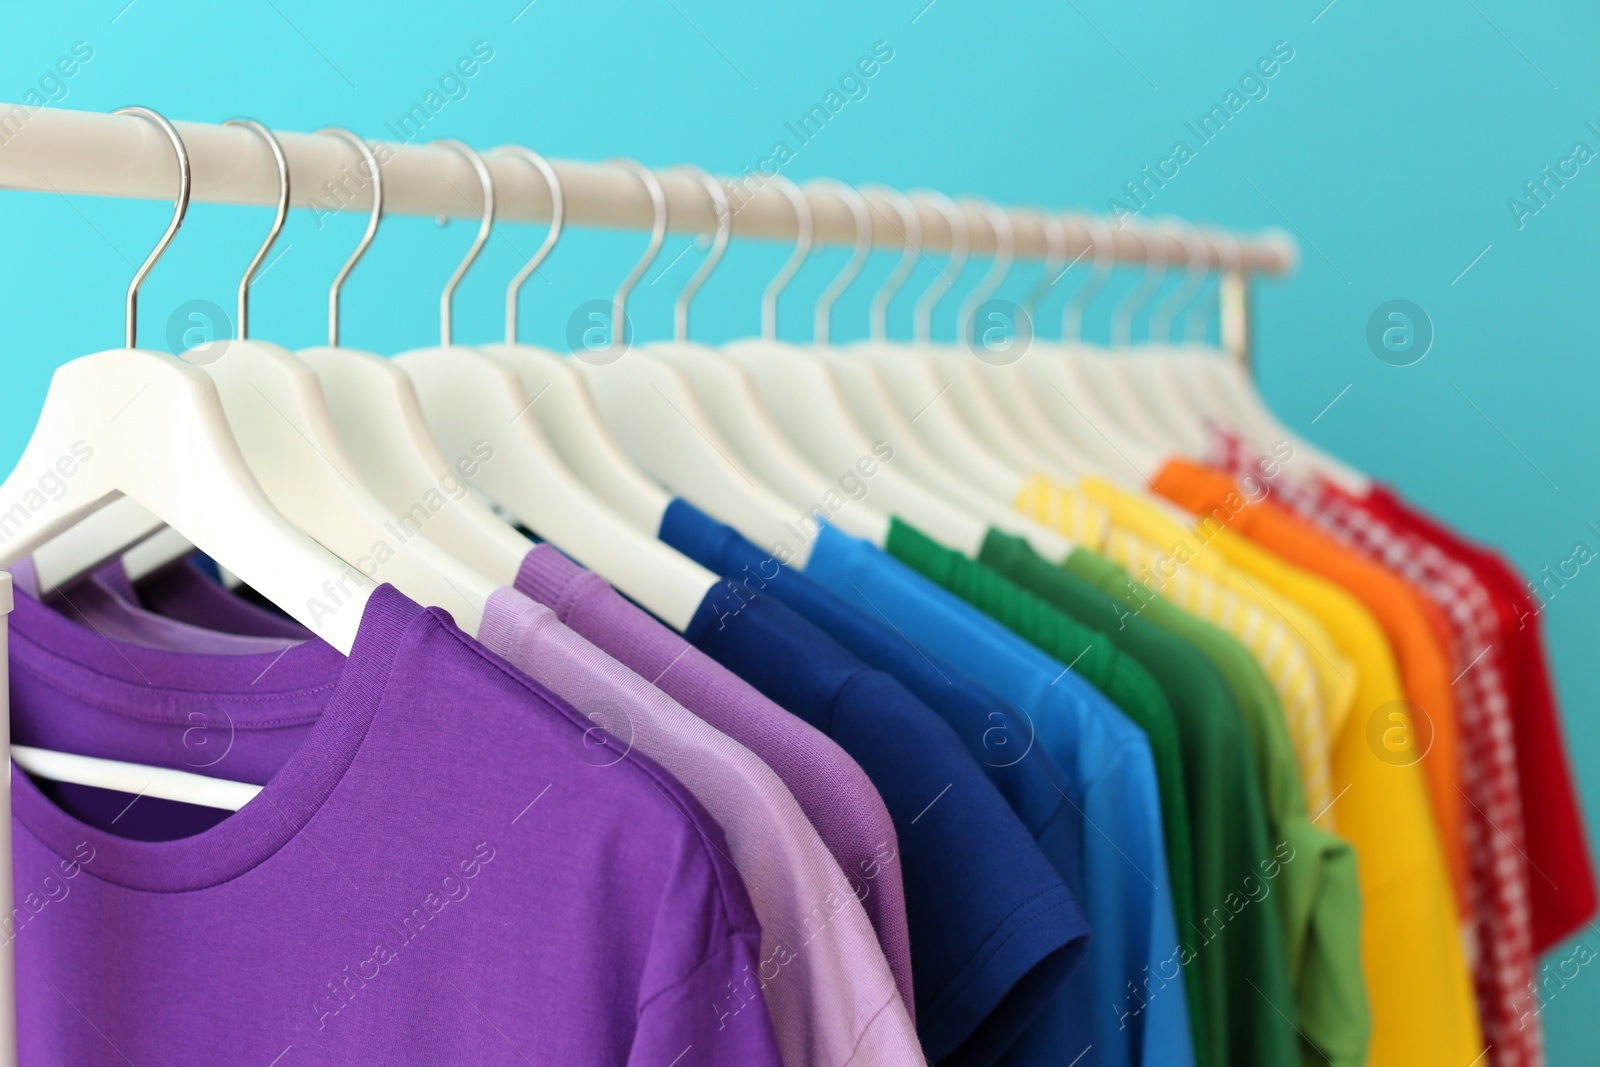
1390 145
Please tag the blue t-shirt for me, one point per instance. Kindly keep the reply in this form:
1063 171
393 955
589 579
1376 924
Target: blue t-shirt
994 929
1111 785
994 730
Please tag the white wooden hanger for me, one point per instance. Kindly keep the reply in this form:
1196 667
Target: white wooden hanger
731 398
281 420
806 398
141 424
978 380
382 426
1065 392
658 417
473 401
1237 402
897 393
1002 402
1141 380
565 410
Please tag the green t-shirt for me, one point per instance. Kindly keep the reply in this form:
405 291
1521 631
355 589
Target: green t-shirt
1318 896
1013 559
1228 822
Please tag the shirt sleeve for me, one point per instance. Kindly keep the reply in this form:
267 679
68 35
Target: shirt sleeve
714 1015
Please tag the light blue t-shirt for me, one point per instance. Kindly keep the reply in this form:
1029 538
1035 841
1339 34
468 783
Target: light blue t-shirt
1135 1016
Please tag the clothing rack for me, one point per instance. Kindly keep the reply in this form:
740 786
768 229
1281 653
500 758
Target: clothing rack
88 153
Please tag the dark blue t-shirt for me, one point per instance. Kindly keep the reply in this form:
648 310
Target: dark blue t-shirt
999 736
994 929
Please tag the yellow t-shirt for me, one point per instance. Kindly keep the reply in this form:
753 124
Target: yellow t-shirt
1311 678
1417 979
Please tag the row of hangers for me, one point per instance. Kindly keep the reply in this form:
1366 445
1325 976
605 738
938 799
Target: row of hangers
295 470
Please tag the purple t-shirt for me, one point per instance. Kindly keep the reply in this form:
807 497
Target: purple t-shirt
824 979
433 873
831 788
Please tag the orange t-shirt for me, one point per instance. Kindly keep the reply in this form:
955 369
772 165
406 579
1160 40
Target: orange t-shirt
1412 626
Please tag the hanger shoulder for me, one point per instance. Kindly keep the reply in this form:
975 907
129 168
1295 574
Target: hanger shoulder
567 413
472 402
278 413
146 425
381 424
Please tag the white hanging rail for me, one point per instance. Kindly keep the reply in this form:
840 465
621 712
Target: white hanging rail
52 150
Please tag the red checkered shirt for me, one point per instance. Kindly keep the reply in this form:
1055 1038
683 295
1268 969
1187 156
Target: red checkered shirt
1500 930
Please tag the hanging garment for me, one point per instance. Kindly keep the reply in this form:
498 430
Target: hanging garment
1229 943
1403 614
1417 984
994 930
1318 900
1111 786
1498 893
1562 878
835 794
1312 676
995 732
348 913
822 975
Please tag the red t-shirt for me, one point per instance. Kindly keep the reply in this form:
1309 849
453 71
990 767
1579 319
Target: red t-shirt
1561 879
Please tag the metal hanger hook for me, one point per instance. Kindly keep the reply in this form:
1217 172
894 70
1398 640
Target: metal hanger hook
719 245
861 213
1055 263
1134 301
1005 256
485 224
960 242
180 208
277 223
911 233
1226 245
1103 245
804 237
658 233
558 214
376 215
1197 254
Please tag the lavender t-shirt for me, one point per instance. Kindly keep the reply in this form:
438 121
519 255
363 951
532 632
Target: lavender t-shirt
826 982
434 872
831 788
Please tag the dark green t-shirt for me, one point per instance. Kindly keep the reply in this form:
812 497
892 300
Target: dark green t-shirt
1228 826
1015 560
1318 897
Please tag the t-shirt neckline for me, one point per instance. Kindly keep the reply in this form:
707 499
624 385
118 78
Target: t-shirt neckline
288 801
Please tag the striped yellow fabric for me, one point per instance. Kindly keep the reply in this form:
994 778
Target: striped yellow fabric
1069 513
1283 658
1313 681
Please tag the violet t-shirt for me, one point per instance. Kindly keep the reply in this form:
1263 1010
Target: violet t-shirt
433 872
835 793
831 788
824 979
